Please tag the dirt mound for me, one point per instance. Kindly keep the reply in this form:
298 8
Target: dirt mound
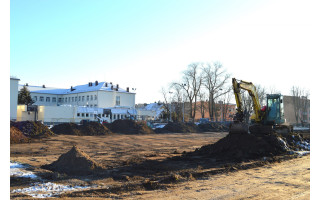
213 127
90 128
16 136
130 127
74 162
178 127
244 146
32 129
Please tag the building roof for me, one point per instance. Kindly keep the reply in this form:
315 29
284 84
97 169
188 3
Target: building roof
14 78
101 86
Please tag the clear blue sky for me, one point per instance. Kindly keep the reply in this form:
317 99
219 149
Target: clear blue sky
146 44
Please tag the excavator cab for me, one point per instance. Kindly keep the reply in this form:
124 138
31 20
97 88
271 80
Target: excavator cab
274 112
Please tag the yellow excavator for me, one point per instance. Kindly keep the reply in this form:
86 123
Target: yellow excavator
265 119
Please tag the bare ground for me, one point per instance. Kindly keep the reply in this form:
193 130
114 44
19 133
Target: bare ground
148 167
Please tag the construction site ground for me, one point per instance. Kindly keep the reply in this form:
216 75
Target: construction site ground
150 167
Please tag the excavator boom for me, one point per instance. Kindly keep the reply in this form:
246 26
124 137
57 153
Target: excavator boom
239 126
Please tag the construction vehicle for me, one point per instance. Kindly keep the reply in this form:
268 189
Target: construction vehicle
265 119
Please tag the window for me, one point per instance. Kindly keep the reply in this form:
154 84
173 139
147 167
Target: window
82 98
41 98
72 99
82 114
78 114
76 99
35 98
60 100
87 97
91 97
66 99
54 99
95 105
87 115
95 97
117 100
47 99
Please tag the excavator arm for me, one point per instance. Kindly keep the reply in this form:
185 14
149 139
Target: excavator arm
248 86
239 127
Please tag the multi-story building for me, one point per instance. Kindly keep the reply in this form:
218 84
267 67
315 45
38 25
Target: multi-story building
95 100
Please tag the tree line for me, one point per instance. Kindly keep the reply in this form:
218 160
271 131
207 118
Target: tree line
207 88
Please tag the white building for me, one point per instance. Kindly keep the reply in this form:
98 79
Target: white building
150 111
92 101
13 97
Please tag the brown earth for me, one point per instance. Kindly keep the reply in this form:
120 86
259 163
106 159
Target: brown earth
32 129
74 162
129 127
155 166
90 128
16 136
178 127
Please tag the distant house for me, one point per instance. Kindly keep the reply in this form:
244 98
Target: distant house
93 101
150 111
13 97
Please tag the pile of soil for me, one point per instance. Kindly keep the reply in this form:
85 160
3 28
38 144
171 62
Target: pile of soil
130 127
75 162
32 129
90 128
178 127
16 136
244 146
213 127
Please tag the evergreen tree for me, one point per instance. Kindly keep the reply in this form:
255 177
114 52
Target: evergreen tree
24 96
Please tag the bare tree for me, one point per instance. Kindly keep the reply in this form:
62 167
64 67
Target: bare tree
273 90
301 103
247 101
226 98
191 84
177 102
202 106
165 102
215 79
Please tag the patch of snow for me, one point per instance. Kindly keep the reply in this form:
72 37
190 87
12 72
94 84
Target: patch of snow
18 170
304 145
283 144
302 153
16 165
45 190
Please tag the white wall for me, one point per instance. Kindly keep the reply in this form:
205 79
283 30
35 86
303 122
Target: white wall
126 99
13 98
57 113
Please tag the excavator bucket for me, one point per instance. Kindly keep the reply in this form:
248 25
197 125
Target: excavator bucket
238 128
